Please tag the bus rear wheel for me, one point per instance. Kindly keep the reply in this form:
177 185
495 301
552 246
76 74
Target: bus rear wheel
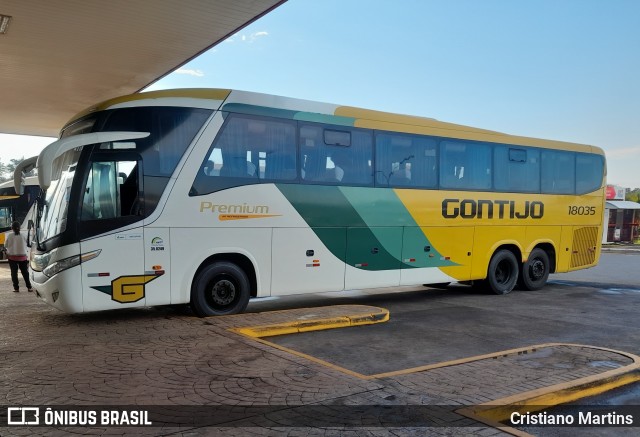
219 289
535 271
502 274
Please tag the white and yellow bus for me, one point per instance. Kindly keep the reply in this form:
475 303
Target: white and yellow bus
16 206
211 197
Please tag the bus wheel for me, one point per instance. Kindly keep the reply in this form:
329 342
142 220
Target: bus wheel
503 272
220 288
535 271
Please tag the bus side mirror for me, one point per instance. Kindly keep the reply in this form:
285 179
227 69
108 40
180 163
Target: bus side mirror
18 175
20 188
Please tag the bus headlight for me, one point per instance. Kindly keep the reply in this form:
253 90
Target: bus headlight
67 263
39 262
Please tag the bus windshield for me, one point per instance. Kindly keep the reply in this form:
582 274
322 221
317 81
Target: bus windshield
52 218
117 143
5 217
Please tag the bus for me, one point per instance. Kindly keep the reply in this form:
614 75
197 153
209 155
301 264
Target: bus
16 207
211 197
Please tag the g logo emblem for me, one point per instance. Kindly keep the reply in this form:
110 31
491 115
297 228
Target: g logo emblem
128 289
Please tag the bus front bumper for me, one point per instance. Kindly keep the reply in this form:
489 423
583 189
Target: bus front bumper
62 291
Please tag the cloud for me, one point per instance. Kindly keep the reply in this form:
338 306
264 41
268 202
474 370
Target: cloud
623 152
190 72
247 38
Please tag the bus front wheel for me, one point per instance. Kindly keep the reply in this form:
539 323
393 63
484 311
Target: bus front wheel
535 271
503 272
219 289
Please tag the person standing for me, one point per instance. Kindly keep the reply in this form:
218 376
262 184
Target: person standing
16 247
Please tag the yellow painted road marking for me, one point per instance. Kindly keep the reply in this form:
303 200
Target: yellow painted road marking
258 332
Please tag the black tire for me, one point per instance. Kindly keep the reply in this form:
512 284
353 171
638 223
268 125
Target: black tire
535 271
219 289
502 274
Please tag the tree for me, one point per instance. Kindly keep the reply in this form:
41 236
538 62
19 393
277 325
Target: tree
3 170
6 170
633 195
11 166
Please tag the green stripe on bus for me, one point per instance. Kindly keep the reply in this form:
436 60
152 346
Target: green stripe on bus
324 118
332 217
265 111
353 223
381 208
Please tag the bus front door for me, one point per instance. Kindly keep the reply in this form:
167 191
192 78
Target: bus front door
116 277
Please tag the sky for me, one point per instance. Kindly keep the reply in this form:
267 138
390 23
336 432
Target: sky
564 70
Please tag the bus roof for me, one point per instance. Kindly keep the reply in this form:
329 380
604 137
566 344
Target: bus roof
30 180
305 110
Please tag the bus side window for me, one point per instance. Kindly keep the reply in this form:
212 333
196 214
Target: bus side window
589 171
252 148
516 169
465 165
558 172
405 160
5 217
279 166
336 155
312 156
111 191
358 159
214 163
237 166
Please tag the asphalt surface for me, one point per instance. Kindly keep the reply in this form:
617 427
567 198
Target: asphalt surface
596 307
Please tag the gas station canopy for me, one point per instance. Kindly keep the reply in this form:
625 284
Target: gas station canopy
58 58
622 204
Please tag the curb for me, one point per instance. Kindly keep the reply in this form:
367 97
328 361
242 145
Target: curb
379 315
632 248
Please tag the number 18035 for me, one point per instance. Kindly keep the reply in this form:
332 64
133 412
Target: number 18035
582 210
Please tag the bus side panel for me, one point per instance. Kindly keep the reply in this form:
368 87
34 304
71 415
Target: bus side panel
302 263
487 240
580 247
566 246
157 261
191 247
536 235
373 257
421 260
585 247
425 275
454 247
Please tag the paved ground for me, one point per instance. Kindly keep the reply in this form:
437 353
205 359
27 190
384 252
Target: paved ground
166 357
594 307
